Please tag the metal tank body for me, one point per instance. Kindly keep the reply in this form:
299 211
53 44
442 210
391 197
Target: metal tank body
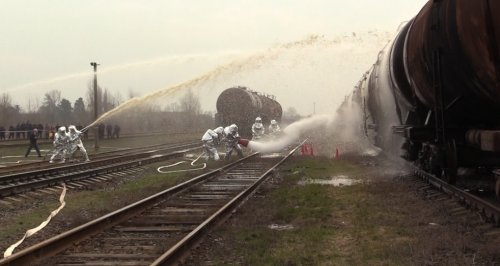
241 106
466 34
434 92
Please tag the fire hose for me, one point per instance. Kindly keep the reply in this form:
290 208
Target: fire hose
193 164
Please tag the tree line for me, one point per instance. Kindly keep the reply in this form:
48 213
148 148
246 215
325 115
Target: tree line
182 116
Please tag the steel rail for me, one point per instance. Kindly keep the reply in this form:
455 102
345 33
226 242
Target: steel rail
120 217
489 210
59 243
102 157
182 246
58 169
44 179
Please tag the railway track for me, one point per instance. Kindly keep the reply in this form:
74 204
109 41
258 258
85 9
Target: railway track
487 209
20 182
14 168
159 229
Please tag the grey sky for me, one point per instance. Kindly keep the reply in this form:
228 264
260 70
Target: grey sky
42 40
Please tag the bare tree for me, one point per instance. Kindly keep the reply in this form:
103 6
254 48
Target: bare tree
6 109
190 103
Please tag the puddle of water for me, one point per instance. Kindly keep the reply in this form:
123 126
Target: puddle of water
271 155
280 227
337 181
371 152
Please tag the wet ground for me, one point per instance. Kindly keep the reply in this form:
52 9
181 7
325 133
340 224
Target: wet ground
361 210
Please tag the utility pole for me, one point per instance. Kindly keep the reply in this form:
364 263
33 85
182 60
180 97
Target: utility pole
96 110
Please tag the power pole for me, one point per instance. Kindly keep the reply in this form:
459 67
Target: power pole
96 110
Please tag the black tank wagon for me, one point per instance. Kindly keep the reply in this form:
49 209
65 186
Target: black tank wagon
240 106
434 91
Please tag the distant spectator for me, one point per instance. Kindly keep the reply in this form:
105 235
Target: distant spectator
52 133
116 131
11 132
109 131
18 131
2 133
33 143
102 127
47 131
22 130
40 130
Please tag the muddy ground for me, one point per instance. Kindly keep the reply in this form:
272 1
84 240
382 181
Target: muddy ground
385 219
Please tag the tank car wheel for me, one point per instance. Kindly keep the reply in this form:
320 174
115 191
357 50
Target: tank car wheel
436 161
451 167
497 187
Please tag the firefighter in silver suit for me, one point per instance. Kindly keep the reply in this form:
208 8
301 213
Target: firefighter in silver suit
257 129
231 137
75 142
210 139
274 128
61 141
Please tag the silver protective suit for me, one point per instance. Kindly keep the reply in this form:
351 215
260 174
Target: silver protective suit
210 139
274 128
257 131
231 137
61 142
75 142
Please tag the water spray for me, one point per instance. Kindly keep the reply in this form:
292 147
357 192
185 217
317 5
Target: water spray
247 63
290 135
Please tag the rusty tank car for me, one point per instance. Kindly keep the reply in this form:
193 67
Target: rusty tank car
240 106
433 94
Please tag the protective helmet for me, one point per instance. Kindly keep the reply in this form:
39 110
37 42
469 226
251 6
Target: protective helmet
219 130
233 128
273 122
35 130
258 119
62 129
72 128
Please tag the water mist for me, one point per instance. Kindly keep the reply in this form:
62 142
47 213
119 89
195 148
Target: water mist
327 132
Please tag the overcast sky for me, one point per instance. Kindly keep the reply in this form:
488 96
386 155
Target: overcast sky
148 45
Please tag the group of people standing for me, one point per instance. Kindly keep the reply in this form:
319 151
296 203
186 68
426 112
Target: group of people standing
229 135
111 131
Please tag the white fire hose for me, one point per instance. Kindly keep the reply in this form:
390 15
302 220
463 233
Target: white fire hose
183 170
32 231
